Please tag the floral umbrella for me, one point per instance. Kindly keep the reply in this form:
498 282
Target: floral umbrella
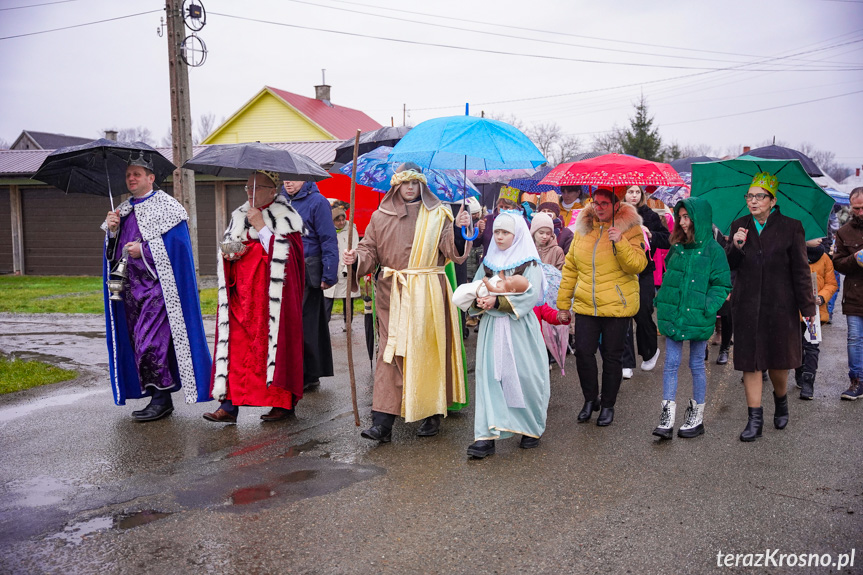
670 195
375 171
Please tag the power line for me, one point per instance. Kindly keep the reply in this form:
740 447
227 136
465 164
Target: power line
737 113
506 53
540 40
80 25
37 5
541 31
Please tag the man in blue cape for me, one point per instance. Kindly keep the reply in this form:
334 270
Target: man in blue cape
156 340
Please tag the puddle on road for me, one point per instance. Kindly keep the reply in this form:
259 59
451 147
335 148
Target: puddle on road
310 445
255 493
138 518
39 491
76 532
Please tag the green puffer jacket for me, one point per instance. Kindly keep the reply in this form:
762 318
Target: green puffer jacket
696 281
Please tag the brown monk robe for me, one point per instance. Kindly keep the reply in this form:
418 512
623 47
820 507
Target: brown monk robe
388 243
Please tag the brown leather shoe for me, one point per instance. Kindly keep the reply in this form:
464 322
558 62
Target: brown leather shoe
220 416
277 414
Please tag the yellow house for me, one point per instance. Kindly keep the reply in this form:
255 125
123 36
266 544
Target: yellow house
274 115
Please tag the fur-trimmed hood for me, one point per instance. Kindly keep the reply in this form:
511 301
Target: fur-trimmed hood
625 218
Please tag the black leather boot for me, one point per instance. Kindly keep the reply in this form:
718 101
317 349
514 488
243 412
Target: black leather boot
587 411
430 426
382 427
754 425
807 385
780 415
481 448
606 416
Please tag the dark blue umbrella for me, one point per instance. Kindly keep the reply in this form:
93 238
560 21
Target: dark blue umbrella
99 167
685 164
531 184
781 153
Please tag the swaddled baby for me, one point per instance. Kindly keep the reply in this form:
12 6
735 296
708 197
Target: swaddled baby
499 284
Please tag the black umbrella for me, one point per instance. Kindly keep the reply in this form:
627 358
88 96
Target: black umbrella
98 167
685 164
242 160
781 153
387 136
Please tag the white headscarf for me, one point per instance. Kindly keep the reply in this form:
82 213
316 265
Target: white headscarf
521 251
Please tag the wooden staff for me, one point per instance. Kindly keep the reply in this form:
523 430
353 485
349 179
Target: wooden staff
348 301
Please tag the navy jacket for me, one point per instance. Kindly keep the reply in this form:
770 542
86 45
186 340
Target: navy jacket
319 236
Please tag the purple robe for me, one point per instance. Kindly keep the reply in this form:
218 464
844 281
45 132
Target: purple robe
146 315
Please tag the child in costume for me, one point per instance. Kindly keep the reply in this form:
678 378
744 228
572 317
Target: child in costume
512 383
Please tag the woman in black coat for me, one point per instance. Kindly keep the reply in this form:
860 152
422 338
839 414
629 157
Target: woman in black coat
645 328
773 284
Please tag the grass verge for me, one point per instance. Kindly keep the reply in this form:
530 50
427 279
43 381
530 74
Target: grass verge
18 375
50 294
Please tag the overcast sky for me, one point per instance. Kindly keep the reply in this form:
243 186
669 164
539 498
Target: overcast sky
796 65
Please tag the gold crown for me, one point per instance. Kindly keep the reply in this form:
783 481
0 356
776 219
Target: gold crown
530 198
549 197
508 193
766 181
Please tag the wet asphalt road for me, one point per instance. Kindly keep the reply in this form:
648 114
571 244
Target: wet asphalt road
85 489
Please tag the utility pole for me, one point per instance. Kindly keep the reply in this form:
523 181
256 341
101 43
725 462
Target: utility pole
404 114
181 121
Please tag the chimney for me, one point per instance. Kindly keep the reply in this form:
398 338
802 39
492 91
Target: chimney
746 149
858 172
111 135
322 93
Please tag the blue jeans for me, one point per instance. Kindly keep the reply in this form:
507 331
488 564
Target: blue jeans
855 346
832 301
673 354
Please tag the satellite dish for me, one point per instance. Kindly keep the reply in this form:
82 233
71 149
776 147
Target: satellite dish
194 15
193 51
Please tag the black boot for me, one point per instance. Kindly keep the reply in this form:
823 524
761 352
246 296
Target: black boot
382 427
430 426
481 448
606 416
723 356
807 386
587 411
780 415
754 425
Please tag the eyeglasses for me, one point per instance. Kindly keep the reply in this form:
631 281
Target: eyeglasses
249 189
602 205
759 197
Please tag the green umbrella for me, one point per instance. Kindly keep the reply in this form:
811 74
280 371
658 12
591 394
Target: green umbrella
724 184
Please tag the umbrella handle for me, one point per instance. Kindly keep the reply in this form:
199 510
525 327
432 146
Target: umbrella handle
466 236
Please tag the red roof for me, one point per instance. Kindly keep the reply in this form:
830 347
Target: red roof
339 121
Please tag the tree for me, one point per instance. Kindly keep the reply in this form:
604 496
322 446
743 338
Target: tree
139 134
641 139
610 142
206 123
4 145
545 136
567 147
826 161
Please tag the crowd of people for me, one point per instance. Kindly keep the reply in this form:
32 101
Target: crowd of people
582 265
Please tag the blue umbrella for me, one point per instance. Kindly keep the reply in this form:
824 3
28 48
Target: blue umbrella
374 170
840 197
531 184
468 143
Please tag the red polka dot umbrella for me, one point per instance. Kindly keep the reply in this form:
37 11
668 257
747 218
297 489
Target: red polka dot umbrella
613 170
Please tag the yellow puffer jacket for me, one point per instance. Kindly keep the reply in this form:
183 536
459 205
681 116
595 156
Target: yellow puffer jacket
605 284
